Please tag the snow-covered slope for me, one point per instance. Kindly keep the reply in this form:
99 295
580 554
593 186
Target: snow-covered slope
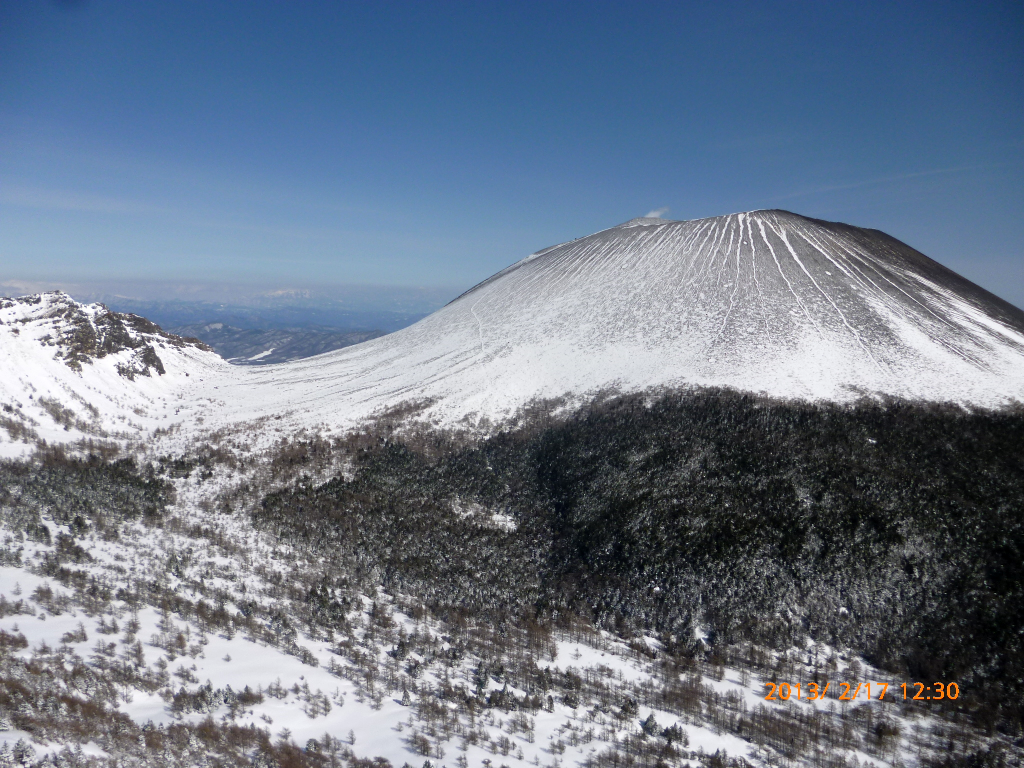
70 371
766 302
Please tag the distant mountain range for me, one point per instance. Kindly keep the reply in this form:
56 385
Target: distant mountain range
254 346
179 313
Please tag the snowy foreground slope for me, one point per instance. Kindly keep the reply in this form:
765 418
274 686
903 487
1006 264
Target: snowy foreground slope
765 302
185 638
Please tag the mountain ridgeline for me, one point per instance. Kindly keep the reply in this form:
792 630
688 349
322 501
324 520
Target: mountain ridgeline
711 518
269 346
766 302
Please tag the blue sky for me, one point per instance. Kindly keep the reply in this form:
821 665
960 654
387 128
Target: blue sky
432 144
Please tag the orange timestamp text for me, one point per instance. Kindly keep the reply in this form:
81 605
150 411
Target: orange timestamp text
852 691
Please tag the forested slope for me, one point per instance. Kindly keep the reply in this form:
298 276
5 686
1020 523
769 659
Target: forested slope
895 529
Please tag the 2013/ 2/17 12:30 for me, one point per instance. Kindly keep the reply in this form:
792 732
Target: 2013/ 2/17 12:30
783 691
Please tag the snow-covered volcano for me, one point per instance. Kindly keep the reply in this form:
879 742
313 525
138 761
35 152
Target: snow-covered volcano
766 302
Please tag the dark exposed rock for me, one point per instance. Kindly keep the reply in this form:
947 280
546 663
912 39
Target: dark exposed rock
83 333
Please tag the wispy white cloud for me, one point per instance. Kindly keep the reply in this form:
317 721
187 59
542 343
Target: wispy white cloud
353 296
26 287
881 180
64 200
657 213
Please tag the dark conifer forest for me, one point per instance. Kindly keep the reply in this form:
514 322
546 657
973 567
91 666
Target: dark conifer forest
711 519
